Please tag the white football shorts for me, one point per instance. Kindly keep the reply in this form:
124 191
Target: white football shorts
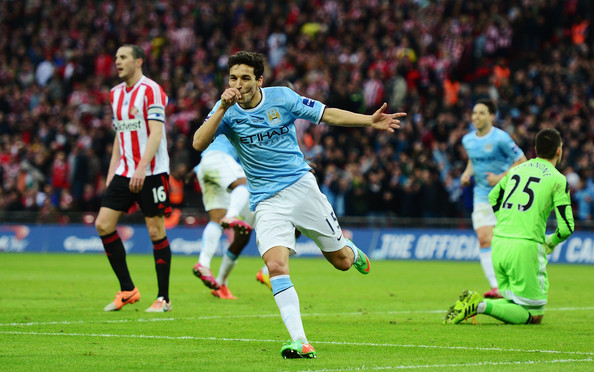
216 171
303 206
483 215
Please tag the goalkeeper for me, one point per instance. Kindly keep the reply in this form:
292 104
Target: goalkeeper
522 202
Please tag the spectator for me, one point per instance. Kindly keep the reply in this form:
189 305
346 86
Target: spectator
58 77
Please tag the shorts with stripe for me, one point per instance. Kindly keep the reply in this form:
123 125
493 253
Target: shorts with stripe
303 206
521 270
153 199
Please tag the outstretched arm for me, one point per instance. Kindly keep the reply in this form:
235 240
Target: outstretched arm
379 120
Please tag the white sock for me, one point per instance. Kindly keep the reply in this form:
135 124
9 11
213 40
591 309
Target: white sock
227 266
210 242
487 264
288 304
265 270
238 201
480 309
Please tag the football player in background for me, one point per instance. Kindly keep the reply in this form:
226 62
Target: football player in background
138 173
523 201
226 198
491 153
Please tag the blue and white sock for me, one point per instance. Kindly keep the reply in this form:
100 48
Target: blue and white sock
288 303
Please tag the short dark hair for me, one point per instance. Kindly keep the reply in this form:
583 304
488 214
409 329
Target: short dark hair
491 106
137 52
252 59
547 142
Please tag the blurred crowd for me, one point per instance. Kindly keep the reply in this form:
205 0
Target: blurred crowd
431 59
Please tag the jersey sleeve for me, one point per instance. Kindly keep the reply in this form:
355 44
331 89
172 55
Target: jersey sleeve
510 148
156 100
305 108
563 212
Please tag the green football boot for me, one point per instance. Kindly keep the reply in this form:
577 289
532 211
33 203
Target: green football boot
362 264
297 349
464 308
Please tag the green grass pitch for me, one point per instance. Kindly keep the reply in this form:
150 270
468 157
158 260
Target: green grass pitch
52 319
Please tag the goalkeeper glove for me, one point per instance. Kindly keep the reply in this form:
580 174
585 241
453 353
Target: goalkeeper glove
548 243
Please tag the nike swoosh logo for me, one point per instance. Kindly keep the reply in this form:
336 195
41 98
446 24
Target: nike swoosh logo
340 237
132 295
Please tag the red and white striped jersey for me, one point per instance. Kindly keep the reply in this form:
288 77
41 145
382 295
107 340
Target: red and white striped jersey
132 110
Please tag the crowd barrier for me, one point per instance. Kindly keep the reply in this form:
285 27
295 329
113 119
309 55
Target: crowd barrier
378 243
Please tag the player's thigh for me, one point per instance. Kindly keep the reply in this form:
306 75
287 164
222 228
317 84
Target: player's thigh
531 278
153 199
498 256
524 264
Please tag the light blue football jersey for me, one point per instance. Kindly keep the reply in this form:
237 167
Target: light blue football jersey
494 152
220 143
266 141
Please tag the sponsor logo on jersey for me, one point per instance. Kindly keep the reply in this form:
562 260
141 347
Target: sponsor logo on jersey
484 159
129 125
269 135
308 102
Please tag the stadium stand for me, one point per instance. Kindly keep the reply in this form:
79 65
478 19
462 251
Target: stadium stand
430 59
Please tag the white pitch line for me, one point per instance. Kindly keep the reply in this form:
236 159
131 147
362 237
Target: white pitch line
243 316
479 364
315 342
